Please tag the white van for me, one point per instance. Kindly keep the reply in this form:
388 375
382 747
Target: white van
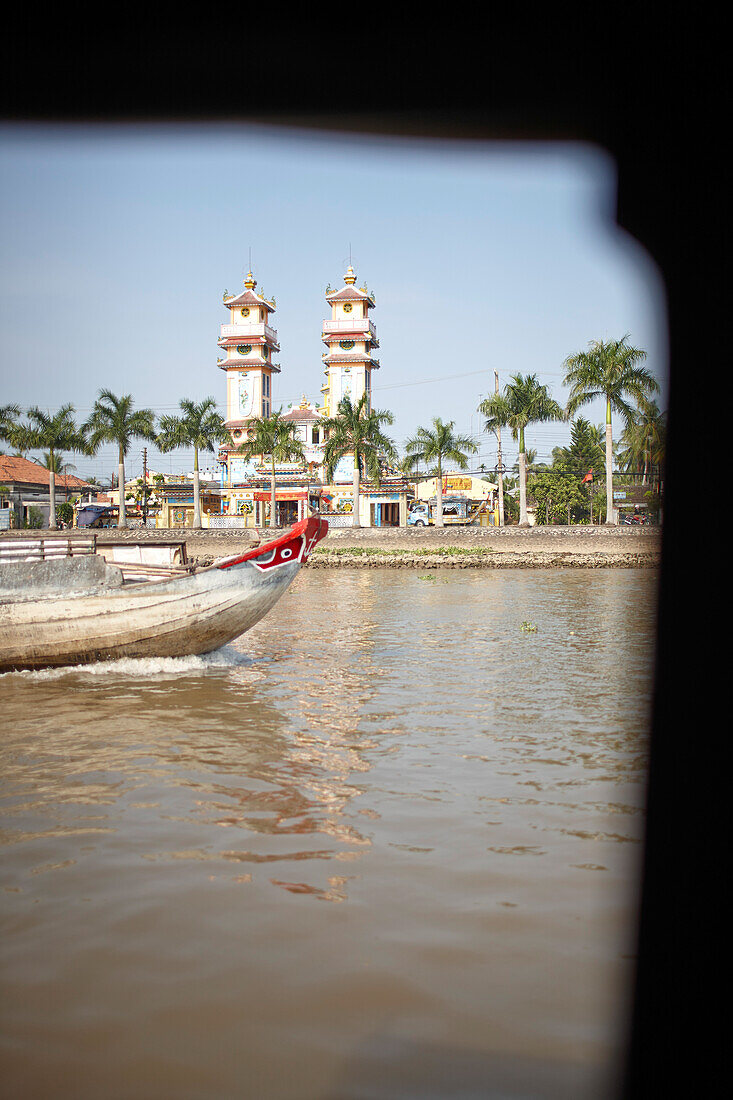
455 511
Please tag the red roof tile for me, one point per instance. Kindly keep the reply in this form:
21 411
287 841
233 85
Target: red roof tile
25 472
248 298
349 294
255 364
300 414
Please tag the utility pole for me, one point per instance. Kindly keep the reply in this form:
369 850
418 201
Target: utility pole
499 464
145 486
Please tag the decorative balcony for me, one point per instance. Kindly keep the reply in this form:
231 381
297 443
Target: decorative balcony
345 324
244 332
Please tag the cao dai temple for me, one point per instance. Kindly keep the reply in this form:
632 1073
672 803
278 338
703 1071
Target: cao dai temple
242 497
250 344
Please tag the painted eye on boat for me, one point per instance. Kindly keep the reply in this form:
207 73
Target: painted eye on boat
286 553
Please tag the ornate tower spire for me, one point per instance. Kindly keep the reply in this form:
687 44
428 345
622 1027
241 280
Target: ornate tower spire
250 343
350 337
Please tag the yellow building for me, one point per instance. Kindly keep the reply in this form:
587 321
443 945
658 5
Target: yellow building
460 489
459 485
176 503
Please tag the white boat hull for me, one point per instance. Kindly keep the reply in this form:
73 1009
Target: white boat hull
188 615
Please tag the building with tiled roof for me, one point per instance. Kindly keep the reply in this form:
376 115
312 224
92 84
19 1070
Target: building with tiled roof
306 417
25 484
23 472
304 412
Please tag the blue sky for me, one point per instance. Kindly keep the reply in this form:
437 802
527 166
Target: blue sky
118 243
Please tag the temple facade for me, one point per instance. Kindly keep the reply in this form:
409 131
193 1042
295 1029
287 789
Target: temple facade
250 343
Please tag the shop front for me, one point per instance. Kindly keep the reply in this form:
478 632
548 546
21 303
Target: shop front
248 505
291 505
636 504
177 507
384 505
384 510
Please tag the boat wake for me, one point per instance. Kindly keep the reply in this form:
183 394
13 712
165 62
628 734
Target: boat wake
144 668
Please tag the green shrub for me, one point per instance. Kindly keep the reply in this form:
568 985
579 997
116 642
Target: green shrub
35 518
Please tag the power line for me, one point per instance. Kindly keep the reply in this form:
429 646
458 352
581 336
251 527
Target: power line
427 381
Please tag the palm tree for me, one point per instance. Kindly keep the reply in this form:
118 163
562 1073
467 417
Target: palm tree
8 426
643 440
530 457
201 428
56 463
409 467
437 445
611 371
55 433
357 430
115 420
523 402
272 437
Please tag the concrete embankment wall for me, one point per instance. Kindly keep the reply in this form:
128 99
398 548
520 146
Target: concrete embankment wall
459 547
509 547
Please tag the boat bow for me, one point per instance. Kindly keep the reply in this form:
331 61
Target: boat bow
195 613
295 545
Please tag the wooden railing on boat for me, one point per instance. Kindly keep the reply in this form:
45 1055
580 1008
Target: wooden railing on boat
146 561
128 557
45 549
133 571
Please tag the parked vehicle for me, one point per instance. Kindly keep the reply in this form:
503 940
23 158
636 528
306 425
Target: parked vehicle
456 510
637 518
97 515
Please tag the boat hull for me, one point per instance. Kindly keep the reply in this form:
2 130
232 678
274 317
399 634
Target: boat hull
188 615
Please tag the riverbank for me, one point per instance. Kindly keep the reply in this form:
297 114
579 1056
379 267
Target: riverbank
471 558
491 547
426 548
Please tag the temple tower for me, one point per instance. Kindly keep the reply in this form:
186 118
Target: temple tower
250 343
350 336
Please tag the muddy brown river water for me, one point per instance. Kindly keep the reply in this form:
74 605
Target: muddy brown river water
386 845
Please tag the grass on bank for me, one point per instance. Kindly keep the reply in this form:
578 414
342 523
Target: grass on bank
392 552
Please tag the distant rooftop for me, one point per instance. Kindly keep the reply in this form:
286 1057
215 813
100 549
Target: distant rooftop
25 472
302 412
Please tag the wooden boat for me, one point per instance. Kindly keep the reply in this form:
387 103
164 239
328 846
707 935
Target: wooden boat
86 613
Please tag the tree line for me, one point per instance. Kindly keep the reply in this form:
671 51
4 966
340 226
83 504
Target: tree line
612 370
113 420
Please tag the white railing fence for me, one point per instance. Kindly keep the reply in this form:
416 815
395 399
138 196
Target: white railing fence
228 522
43 549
